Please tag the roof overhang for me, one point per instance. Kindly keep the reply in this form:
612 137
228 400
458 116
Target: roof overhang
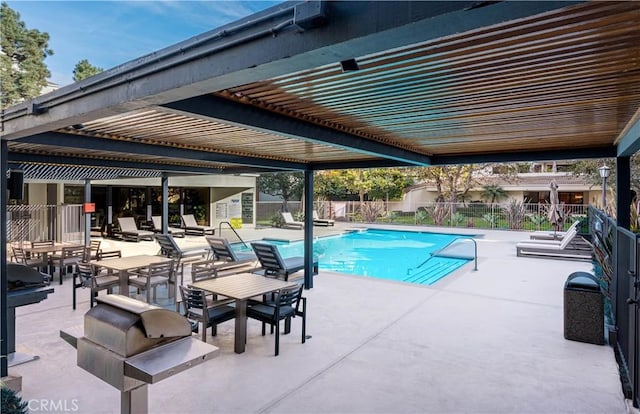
328 85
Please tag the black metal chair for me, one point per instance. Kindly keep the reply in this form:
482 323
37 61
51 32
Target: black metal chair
285 306
274 265
209 314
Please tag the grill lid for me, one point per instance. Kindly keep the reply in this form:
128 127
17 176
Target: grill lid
20 275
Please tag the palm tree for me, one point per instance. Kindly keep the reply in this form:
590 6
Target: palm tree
493 192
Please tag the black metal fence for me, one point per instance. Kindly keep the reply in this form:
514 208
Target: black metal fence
617 251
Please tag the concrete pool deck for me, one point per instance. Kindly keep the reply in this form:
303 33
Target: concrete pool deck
486 341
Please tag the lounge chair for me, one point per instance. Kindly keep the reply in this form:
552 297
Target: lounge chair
274 265
222 250
552 249
169 248
290 223
129 230
317 221
191 226
551 235
157 227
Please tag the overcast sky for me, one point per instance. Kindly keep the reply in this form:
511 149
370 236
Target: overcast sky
109 33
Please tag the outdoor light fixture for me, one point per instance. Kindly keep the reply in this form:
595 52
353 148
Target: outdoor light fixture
604 173
349 65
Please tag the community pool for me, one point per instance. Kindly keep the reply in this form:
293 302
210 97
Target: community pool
385 254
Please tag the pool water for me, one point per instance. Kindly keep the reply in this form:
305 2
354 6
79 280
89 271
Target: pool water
385 254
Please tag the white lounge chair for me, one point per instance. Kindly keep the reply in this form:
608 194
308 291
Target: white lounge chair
129 230
290 223
157 227
551 235
317 221
553 249
190 225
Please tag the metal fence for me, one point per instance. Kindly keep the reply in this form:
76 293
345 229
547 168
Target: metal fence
503 216
26 223
616 252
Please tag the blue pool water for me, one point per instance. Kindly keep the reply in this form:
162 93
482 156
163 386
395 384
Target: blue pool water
386 254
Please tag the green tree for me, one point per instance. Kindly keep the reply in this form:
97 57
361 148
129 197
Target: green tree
451 182
493 193
288 185
84 69
369 184
23 72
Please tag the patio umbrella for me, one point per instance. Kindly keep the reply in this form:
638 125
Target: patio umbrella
555 215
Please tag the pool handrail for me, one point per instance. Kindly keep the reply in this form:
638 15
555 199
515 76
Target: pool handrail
232 229
475 251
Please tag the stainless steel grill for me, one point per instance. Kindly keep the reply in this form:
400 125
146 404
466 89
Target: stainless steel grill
130 344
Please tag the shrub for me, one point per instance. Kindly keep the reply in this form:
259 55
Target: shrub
12 403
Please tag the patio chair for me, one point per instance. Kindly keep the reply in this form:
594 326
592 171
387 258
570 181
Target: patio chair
87 276
552 249
289 222
129 230
317 221
156 274
157 227
209 314
20 256
191 226
68 258
285 306
551 235
274 265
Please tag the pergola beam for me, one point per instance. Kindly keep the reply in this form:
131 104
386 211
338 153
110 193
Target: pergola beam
227 111
128 147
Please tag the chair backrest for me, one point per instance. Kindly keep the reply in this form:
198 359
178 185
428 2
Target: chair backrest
194 302
86 271
287 217
168 246
570 235
73 252
203 270
19 255
43 243
289 296
157 222
112 254
189 220
315 215
95 247
269 256
127 224
221 249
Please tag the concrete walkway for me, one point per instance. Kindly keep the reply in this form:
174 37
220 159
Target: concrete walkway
486 341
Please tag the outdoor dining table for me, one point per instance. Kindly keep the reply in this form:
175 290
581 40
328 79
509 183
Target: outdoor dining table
241 287
44 252
124 265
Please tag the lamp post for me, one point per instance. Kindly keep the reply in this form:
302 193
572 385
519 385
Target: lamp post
604 173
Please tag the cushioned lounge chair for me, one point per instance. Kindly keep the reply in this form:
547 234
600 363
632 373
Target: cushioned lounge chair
289 222
317 221
129 230
191 226
274 265
157 227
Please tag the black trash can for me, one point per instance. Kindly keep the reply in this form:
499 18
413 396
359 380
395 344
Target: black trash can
583 309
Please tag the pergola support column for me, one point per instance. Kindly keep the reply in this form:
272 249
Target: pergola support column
308 229
623 191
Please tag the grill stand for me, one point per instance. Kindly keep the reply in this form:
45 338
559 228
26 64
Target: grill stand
144 359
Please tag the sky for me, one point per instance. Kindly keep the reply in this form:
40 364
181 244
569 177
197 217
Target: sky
110 33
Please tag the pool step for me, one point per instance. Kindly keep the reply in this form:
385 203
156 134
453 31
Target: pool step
438 268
